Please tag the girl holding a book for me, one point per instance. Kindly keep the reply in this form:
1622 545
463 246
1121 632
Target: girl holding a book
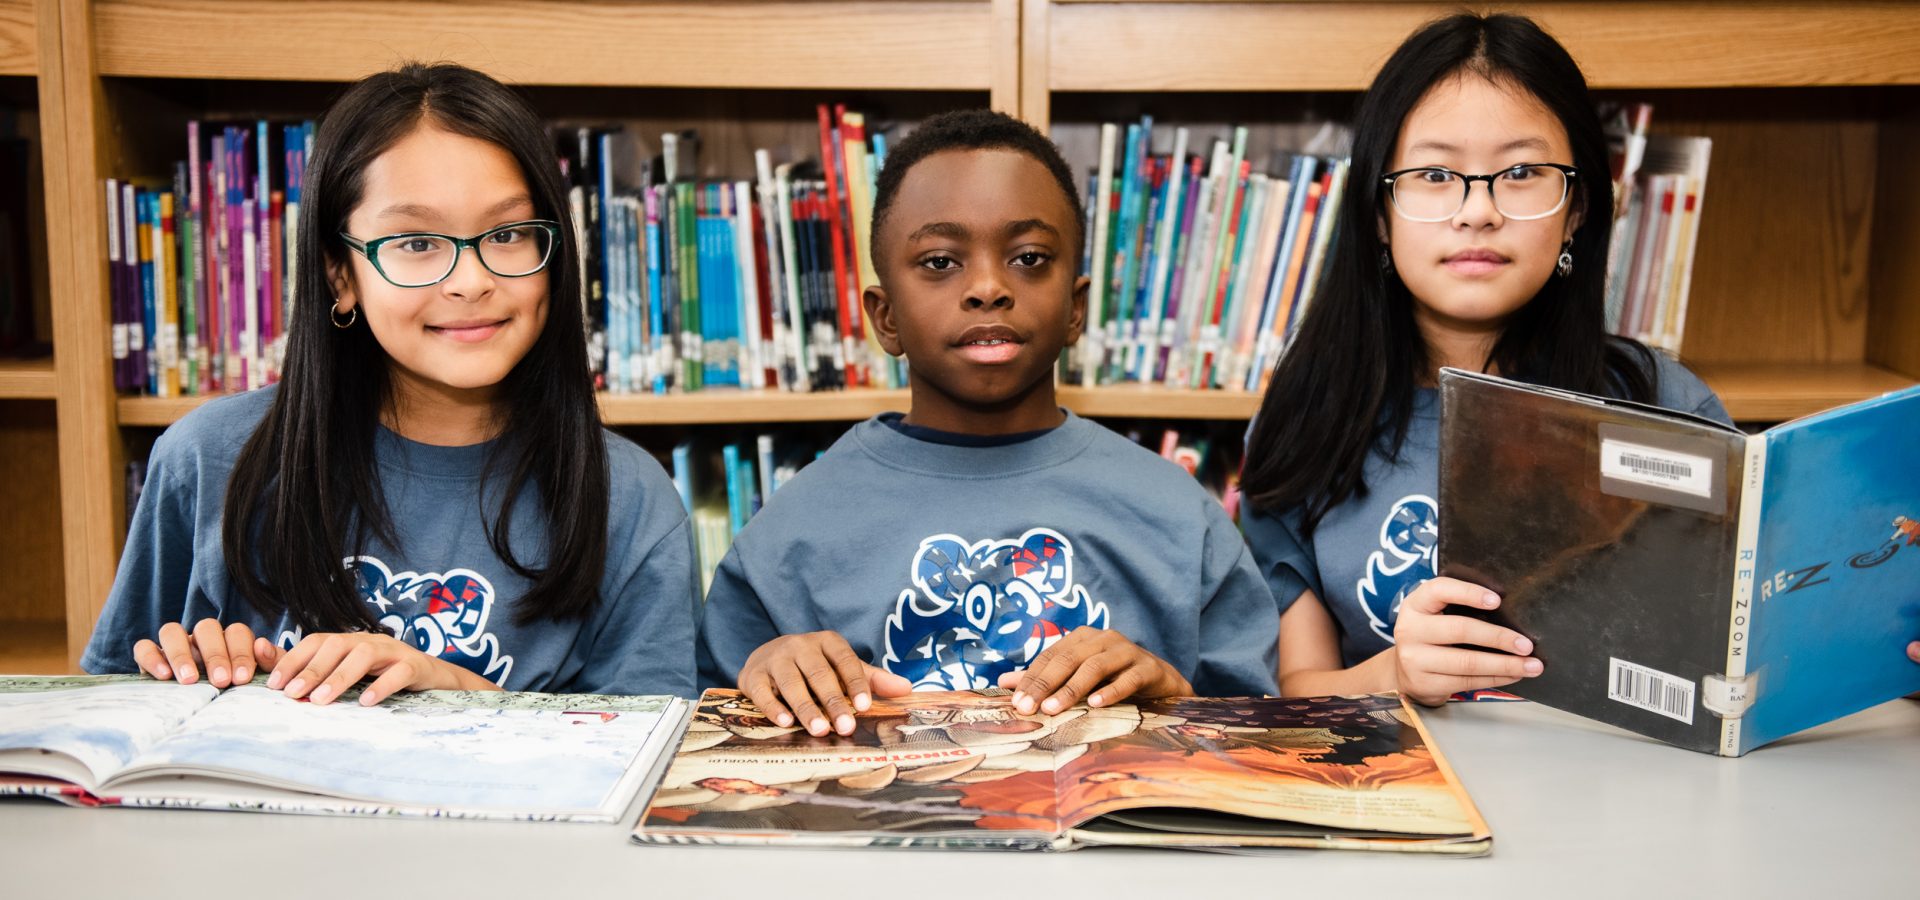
1478 238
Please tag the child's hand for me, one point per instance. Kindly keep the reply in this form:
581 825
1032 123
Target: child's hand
322 666
1913 651
793 677
1430 668
231 654
1100 665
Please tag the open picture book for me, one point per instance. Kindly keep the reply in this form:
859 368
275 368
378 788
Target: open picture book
965 770
120 740
1682 579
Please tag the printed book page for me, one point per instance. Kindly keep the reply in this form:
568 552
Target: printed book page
964 769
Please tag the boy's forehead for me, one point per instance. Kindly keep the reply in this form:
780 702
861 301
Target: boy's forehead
979 188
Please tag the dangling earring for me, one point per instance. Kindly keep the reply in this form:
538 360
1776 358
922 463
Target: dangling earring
353 315
1386 260
1565 265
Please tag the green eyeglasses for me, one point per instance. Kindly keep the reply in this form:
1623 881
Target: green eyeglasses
414 259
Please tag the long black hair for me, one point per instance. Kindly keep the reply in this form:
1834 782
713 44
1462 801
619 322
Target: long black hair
305 493
1347 386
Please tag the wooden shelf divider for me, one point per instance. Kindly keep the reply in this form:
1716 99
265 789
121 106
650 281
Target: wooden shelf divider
28 379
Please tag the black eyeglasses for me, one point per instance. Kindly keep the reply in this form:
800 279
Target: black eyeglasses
414 259
1437 193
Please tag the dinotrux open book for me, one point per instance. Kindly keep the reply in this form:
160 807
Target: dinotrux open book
966 770
117 740
1679 578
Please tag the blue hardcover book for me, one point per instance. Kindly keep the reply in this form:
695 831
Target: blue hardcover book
683 474
1682 579
148 204
736 496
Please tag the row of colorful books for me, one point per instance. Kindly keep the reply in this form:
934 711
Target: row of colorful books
751 283
1202 263
690 283
200 275
1660 183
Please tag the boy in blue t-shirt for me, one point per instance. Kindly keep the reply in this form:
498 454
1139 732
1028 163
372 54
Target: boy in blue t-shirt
988 537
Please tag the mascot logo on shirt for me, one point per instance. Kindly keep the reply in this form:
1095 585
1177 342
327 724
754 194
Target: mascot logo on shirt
1403 562
980 610
441 615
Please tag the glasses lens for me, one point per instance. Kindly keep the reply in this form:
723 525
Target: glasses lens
516 249
1428 195
412 260
1530 192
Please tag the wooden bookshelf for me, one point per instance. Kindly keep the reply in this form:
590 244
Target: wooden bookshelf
1806 292
33 616
141 68
1796 306
1336 45
28 379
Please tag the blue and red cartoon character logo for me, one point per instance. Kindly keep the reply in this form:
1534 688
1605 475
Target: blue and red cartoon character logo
980 610
443 616
1403 562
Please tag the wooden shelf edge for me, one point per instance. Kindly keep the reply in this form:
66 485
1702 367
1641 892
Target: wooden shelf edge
1755 392
1772 392
723 406
855 44
31 379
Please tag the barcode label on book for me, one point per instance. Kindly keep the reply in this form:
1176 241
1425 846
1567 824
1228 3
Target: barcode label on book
1650 689
1655 467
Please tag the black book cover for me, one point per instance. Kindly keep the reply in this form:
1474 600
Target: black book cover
1623 585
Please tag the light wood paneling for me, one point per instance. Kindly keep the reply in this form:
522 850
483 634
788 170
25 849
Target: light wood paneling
892 44
1294 46
1786 229
19 42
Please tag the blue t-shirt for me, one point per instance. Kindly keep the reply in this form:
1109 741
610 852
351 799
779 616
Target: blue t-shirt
950 565
445 591
1369 553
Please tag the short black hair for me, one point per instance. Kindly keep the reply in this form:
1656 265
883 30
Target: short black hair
971 129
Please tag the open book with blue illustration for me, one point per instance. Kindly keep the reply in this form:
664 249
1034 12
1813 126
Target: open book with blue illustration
1682 579
132 741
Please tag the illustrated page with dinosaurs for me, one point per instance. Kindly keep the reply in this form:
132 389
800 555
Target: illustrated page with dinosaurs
132 741
966 770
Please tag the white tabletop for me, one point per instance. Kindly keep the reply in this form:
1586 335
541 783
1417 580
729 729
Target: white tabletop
1577 809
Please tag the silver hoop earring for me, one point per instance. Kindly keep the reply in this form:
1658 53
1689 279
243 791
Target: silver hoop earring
1565 264
1386 260
353 315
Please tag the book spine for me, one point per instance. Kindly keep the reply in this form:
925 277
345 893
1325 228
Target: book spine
1739 624
798 379
166 299
752 375
1092 343
736 499
763 445
118 335
1165 248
